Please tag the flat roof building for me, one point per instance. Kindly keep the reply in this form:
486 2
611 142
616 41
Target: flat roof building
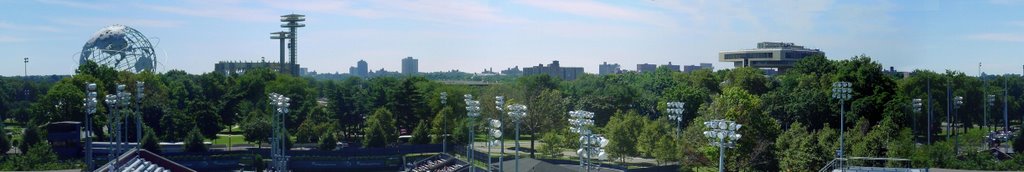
361 69
777 55
608 69
555 70
691 68
646 67
671 66
410 66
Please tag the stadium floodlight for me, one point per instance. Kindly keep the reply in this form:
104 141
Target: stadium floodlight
517 112
842 92
675 113
472 111
722 134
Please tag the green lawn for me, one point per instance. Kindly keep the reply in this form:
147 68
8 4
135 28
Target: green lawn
234 139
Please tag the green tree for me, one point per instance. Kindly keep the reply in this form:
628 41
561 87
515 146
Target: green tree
665 150
31 136
150 141
814 65
194 141
420 135
754 150
175 126
409 106
63 102
652 132
442 124
545 112
5 143
551 148
622 133
796 150
380 129
1018 142
256 127
38 156
316 123
327 142
204 113
750 79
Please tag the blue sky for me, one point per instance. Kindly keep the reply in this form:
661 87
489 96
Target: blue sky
474 35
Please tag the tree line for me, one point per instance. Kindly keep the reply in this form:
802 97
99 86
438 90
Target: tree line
791 121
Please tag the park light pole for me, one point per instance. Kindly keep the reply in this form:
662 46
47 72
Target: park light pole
916 103
494 133
499 103
990 101
957 102
90 108
722 133
517 112
139 93
675 111
841 91
278 138
580 123
472 111
125 103
591 145
444 123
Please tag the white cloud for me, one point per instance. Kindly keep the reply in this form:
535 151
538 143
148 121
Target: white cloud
92 22
76 4
1001 37
28 27
228 10
10 39
602 10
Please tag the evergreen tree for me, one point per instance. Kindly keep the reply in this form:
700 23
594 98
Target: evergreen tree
327 142
5 143
420 135
380 129
194 141
30 137
149 141
442 124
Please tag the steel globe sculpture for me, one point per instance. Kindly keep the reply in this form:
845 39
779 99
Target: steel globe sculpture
120 47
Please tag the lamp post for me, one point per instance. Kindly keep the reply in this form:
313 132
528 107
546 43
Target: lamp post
444 122
841 91
472 111
957 102
125 104
494 134
722 133
90 108
517 112
990 101
26 68
111 101
278 138
499 103
139 93
591 145
916 103
675 111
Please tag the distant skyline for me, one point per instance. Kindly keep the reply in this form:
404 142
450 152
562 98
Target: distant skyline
472 36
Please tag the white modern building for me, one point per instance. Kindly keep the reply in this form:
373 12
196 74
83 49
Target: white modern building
777 55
